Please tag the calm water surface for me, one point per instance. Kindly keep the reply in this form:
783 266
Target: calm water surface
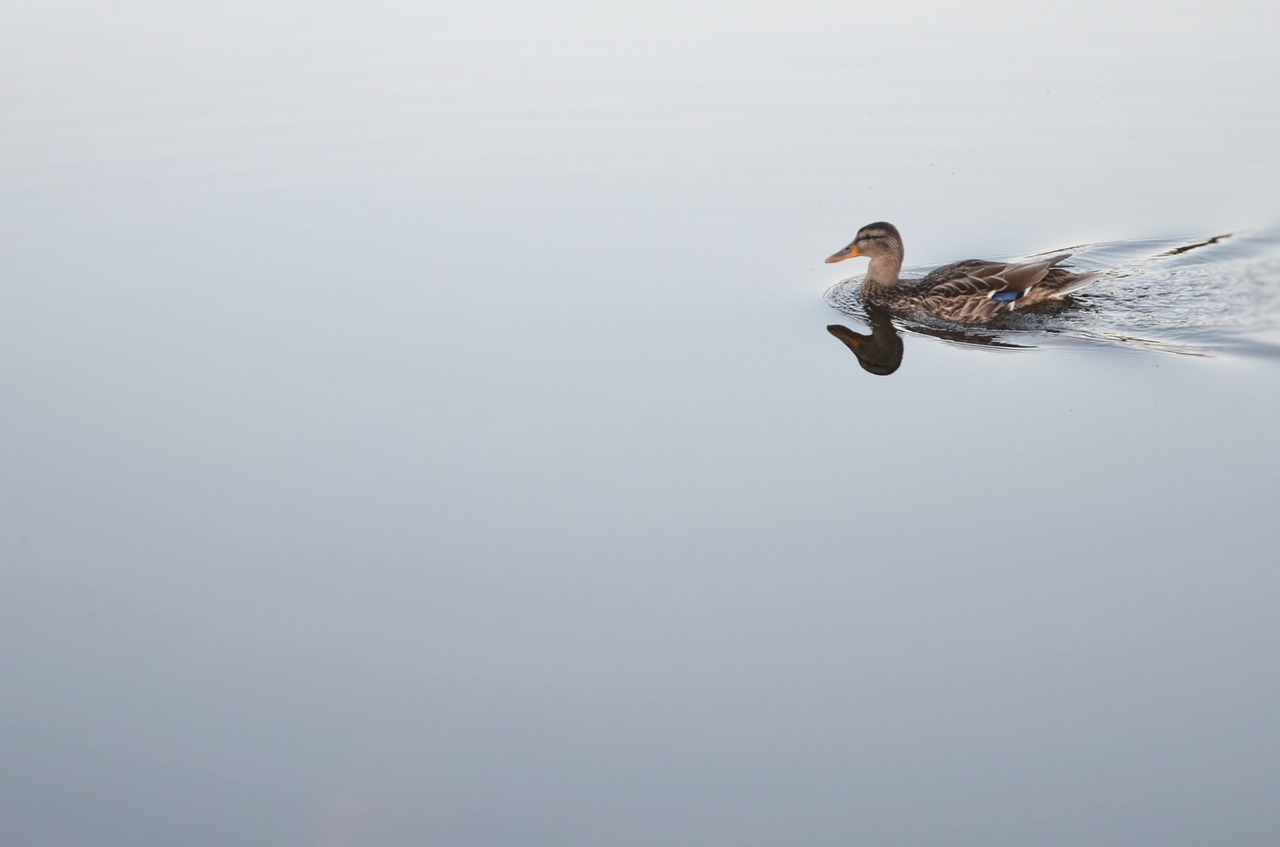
422 426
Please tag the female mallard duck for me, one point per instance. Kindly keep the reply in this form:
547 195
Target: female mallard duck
972 291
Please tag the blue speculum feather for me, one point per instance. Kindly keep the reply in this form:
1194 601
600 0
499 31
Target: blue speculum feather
1006 296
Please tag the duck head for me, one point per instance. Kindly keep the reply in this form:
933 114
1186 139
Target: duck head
877 241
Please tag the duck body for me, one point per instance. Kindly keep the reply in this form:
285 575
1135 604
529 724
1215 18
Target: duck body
972 291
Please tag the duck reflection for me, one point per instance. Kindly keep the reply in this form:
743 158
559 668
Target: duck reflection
880 352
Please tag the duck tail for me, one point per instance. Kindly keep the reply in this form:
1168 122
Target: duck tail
1069 282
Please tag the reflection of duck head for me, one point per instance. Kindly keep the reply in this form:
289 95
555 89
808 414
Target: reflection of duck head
880 352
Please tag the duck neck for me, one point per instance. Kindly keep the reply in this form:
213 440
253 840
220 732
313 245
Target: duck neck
882 273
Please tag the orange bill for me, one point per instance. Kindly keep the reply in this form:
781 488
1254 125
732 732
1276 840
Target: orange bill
847 253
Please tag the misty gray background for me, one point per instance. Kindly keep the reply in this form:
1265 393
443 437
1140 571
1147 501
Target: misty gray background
420 427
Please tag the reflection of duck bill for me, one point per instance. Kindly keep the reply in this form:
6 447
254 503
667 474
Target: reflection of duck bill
879 353
853 340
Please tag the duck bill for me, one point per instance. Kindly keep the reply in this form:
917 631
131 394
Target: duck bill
847 253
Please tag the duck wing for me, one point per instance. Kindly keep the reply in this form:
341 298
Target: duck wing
980 278
976 289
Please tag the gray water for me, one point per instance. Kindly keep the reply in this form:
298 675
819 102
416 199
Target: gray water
422 426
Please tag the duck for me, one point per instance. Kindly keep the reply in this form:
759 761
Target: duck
973 291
